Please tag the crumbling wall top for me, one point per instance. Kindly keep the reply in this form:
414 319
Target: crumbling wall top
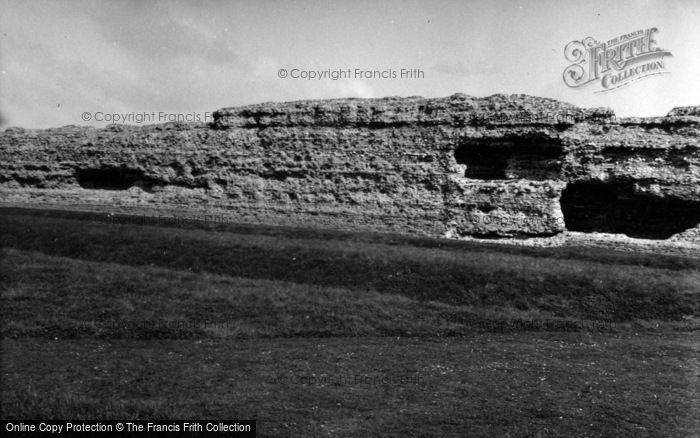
455 110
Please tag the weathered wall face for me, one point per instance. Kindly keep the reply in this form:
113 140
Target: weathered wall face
453 167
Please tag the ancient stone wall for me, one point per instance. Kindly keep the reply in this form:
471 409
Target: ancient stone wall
460 166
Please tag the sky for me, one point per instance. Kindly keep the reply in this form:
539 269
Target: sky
60 59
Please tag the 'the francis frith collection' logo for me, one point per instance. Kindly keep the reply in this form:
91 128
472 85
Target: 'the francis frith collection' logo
614 63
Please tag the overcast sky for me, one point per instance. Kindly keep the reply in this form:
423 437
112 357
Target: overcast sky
59 59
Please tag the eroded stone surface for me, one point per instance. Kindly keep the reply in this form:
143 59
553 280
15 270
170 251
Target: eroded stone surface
460 166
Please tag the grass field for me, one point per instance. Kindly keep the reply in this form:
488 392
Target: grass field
323 333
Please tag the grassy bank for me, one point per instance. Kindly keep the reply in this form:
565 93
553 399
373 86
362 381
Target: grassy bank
478 276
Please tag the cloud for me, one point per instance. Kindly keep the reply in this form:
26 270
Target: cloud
62 58
462 69
356 88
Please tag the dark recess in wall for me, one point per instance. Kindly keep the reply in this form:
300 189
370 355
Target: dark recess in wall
112 178
510 158
615 207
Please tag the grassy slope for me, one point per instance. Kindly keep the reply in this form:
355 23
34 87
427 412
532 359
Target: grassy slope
105 320
57 297
463 275
566 252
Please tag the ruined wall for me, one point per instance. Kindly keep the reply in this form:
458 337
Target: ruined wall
453 167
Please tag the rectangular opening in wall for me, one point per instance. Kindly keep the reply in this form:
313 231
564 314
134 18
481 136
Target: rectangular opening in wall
616 207
510 158
112 178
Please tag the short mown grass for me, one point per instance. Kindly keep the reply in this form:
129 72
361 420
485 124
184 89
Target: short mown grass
342 334
485 385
